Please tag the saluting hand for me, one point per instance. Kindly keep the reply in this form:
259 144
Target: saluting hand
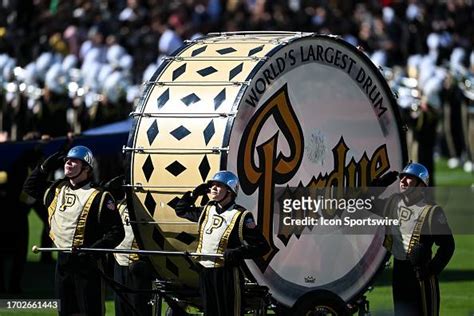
53 162
385 180
201 189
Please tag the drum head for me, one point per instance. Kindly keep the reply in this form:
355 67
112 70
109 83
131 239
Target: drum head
317 111
279 110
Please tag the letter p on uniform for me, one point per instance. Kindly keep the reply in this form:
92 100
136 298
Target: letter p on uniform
69 200
216 223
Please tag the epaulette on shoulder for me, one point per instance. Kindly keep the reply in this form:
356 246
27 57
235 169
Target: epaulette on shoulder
240 208
97 186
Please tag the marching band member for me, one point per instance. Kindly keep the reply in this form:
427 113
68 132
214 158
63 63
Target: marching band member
422 225
80 215
224 228
130 270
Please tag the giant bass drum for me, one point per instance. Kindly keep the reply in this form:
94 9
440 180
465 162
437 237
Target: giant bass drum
279 109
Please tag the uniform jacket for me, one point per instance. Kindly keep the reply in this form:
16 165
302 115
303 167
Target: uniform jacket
103 225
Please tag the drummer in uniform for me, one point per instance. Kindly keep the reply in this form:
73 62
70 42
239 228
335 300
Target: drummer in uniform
130 270
80 215
224 228
415 269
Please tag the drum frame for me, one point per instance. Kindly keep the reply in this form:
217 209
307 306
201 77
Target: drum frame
223 150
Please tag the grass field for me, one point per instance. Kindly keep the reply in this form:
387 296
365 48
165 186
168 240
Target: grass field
457 281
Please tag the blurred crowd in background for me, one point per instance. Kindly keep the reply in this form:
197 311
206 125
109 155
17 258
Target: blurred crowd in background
67 66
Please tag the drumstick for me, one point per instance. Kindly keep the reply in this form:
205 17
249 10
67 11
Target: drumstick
37 249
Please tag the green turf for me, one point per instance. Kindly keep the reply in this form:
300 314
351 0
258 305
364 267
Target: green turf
452 177
457 281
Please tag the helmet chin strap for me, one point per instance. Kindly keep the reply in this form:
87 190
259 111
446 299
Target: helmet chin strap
225 196
413 194
76 176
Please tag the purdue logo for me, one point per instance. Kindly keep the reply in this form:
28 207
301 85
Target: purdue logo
68 201
272 168
405 214
216 223
261 167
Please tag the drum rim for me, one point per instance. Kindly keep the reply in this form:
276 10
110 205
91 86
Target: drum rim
384 85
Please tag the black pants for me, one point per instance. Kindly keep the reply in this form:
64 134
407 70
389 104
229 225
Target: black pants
79 285
425 135
137 276
13 245
221 291
410 296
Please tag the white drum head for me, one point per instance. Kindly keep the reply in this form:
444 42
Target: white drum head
316 105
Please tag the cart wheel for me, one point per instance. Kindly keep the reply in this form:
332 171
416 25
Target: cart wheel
319 303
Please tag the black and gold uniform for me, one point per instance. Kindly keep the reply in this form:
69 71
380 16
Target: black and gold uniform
80 215
416 270
229 230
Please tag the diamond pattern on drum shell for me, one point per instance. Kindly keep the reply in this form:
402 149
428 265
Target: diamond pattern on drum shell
158 237
190 99
235 71
172 267
186 238
255 50
219 99
180 132
198 51
148 168
207 71
175 168
209 131
204 168
179 71
225 51
173 202
152 132
163 98
150 203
